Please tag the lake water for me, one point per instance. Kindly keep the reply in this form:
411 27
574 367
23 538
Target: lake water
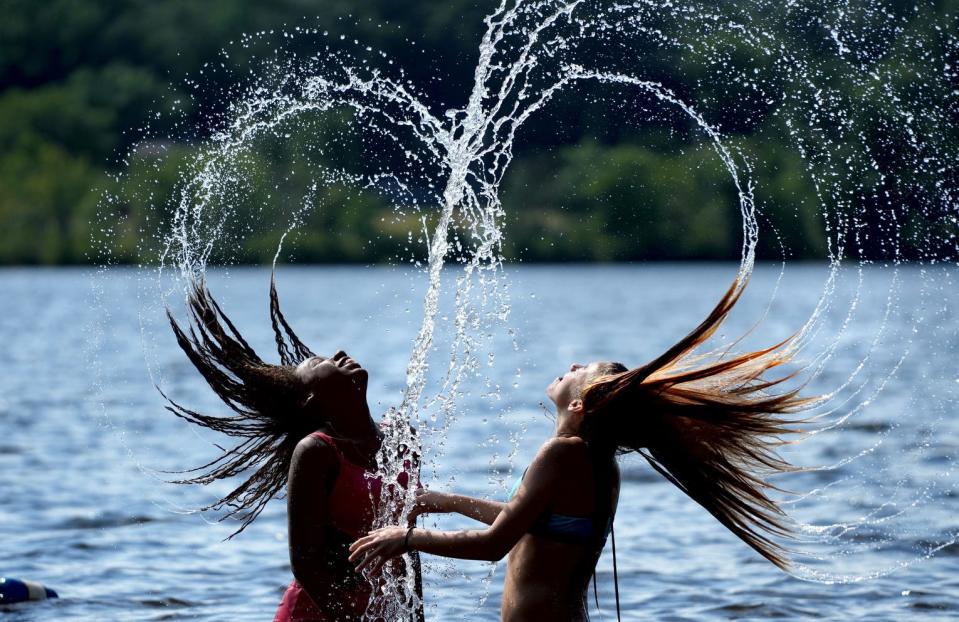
83 509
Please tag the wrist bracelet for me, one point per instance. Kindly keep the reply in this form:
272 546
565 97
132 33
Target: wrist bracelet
406 540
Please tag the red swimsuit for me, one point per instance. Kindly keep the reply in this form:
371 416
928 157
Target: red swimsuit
351 504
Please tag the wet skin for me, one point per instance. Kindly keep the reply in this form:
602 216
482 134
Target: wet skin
336 398
545 579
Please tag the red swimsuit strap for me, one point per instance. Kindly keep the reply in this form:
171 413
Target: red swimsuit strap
353 493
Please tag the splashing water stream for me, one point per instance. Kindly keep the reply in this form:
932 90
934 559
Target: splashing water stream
447 170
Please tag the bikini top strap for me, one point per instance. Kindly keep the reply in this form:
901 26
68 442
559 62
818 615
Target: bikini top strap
340 458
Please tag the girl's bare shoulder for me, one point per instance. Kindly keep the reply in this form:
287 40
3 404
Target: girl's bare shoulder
561 450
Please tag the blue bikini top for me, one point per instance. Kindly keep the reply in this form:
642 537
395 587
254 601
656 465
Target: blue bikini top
562 527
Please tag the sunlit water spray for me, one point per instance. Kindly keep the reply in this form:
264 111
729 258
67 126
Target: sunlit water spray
441 172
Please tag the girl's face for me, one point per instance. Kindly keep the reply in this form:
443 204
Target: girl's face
569 386
334 383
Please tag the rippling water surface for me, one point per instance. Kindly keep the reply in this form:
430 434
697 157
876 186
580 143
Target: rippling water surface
83 510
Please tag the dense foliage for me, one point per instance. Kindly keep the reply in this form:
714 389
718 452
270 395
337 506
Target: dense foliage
80 80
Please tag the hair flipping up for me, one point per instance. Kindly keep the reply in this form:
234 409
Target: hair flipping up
709 424
266 400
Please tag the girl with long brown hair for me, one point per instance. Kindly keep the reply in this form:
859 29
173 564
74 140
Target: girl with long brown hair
304 425
709 423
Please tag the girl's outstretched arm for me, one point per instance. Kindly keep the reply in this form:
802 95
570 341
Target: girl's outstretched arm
435 502
539 487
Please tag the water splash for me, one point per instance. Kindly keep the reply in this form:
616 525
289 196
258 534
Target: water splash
883 177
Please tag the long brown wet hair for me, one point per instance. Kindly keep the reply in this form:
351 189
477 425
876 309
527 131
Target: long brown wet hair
710 424
267 401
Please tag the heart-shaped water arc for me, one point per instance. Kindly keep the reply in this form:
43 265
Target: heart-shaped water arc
450 166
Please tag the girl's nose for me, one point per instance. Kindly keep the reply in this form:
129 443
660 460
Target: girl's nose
575 366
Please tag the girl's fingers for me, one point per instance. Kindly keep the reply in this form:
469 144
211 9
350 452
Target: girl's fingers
359 549
358 543
366 561
367 552
363 541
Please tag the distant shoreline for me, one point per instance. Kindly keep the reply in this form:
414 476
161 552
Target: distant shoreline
509 264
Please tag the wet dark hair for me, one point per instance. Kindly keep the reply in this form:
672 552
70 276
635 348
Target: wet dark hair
708 423
267 401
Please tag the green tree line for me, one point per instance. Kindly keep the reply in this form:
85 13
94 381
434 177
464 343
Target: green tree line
80 80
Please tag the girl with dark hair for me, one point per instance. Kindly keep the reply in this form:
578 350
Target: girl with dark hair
709 424
305 425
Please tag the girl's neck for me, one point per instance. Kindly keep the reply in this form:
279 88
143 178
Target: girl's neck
566 426
352 422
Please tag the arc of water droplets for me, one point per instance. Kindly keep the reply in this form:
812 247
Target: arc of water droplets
527 57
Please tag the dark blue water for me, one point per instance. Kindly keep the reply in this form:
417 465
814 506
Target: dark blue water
83 510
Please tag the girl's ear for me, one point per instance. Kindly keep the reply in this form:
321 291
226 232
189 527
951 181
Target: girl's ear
575 407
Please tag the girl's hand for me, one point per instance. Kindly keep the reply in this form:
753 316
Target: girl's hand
428 502
377 548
